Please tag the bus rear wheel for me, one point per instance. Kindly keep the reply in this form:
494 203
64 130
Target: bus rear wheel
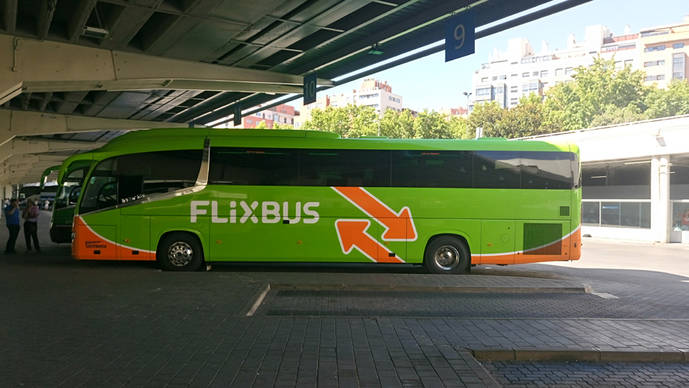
447 255
180 252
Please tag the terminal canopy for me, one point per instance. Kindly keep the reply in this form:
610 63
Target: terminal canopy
167 63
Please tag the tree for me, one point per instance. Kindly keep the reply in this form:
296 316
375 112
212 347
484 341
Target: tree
617 115
431 125
349 121
525 119
488 116
595 90
459 128
363 120
668 102
277 125
397 125
261 125
329 119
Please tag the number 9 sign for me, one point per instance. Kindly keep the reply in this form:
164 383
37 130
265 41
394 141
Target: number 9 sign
459 35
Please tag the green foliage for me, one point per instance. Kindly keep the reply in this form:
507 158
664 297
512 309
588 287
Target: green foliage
595 91
357 121
431 125
262 125
488 116
525 119
597 95
459 128
277 125
668 102
397 125
350 121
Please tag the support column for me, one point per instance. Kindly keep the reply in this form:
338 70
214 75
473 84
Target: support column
6 192
660 198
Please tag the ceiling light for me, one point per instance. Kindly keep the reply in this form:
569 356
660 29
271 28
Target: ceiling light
375 50
95 32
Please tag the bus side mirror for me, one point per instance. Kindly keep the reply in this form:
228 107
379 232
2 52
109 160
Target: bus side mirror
74 194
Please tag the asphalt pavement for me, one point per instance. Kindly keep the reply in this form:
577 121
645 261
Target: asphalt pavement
619 316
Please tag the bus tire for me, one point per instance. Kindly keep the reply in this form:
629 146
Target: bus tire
447 255
180 252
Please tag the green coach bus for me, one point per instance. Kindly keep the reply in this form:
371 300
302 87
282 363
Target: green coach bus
185 197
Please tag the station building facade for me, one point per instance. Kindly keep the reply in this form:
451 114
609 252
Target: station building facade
635 179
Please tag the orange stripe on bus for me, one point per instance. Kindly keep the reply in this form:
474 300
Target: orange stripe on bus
568 248
88 245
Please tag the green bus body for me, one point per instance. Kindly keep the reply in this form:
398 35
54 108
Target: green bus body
324 223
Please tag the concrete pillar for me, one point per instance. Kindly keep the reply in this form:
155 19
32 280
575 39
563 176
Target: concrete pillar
6 192
660 198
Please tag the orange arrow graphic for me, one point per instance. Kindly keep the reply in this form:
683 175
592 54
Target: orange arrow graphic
398 226
352 233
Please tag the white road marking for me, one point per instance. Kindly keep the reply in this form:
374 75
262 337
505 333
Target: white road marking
258 301
604 295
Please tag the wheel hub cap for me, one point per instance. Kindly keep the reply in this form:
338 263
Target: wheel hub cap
180 254
446 257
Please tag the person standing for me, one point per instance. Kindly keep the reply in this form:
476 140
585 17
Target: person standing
12 221
30 216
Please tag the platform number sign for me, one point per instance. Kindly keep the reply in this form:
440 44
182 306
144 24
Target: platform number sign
309 88
459 36
237 115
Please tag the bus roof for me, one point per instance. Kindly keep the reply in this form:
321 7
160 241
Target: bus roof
194 138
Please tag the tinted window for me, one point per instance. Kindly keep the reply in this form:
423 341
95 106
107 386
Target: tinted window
130 177
497 169
344 168
523 169
431 168
411 168
156 172
546 170
243 166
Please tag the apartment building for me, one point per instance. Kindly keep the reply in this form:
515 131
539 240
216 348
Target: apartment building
521 70
663 52
282 114
372 92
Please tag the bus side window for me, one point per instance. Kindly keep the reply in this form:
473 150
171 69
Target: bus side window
497 169
431 168
156 172
546 170
245 166
344 168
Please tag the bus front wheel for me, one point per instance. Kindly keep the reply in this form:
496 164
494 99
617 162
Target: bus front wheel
447 255
180 252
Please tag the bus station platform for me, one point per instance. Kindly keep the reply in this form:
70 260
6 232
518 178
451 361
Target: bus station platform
70 323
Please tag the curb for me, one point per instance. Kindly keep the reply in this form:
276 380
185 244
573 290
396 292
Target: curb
677 356
441 289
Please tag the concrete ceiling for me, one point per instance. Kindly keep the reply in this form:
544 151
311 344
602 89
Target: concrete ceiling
175 62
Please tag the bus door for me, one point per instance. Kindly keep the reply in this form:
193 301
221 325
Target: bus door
135 228
497 241
97 222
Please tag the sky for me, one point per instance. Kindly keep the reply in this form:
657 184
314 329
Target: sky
431 83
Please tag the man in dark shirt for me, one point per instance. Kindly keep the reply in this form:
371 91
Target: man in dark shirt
12 220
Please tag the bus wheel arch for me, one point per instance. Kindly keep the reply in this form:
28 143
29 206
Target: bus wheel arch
180 250
447 254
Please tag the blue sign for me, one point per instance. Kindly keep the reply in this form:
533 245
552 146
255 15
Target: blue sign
309 88
459 35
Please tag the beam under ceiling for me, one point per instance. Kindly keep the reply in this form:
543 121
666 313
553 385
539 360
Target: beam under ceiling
41 66
21 123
